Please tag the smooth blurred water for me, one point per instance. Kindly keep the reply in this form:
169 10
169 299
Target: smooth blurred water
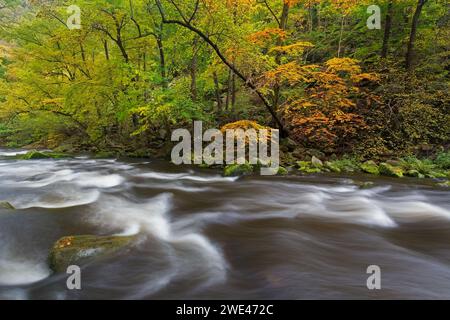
202 236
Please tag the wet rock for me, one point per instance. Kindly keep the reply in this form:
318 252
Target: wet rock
35 155
366 184
235 170
80 249
390 171
316 162
370 167
6 205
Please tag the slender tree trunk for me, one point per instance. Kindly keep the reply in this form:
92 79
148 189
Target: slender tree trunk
233 92
162 60
410 55
387 29
228 98
105 46
283 26
193 70
217 89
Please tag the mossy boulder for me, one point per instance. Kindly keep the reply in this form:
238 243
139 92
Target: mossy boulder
366 184
332 167
415 174
307 167
235 170
6 205
36 155
445 184
370 167
80 249
437 175
105 155
282 171
391 171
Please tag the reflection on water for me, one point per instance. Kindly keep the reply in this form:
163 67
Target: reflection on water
205 236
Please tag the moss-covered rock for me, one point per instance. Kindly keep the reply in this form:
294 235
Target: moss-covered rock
105 155
282 171
414 174
80 249
235 170
366 184
370 167
437 175
35 155
332 167
445 184
6 205
390 171
307 167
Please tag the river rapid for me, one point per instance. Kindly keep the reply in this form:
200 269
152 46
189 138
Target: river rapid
203 236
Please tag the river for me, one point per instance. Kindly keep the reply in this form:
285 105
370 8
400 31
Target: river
203 236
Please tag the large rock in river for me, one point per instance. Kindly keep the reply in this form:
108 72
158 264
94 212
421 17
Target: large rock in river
6 205
75 250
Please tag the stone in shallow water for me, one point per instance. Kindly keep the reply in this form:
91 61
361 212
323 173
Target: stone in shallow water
75 250
6 205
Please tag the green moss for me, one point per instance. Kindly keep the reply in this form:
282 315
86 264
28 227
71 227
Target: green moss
105 155
6 205
35 155
332 167
443 160
414 174
347 165
235 170
282 171
79 249
307 167
370 167
445 184
390 171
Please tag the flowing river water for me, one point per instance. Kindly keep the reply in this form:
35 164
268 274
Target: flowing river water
203 236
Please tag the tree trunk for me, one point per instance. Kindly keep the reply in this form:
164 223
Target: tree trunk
105 45
387 29
162 60
410 55
283 25
217 89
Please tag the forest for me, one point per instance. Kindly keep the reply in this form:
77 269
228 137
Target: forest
343 80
